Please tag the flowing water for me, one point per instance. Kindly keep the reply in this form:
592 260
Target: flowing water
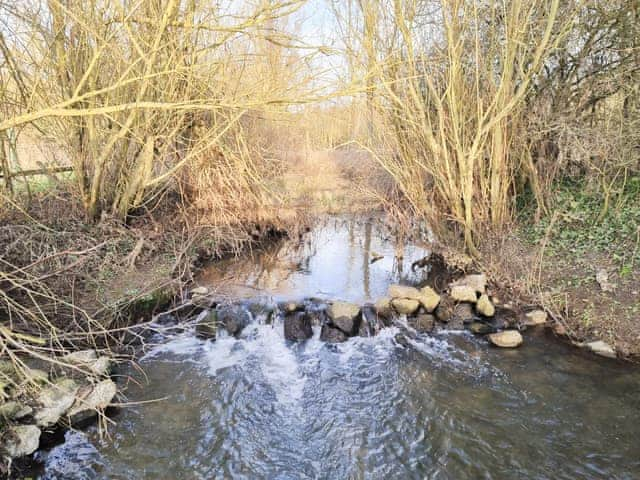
447 407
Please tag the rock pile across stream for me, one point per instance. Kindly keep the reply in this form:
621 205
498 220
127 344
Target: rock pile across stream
465 304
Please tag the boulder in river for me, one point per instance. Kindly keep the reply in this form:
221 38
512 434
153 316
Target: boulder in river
331 334
463 293
534 318
429 299
601 348
22 440
207 325
404 291
406 306
234 318
506 339
383 307
345 316
484 306
297 326
91 400
55 400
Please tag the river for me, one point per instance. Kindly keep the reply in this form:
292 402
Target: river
447 406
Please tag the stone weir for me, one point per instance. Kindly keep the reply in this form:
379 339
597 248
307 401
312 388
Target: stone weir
465 304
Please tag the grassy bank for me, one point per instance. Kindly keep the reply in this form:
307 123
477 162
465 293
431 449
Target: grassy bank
581 261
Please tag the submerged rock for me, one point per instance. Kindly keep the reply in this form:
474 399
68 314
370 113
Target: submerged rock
534 318
331 334
484 306
506 339
22 440
345 316
406 306
233 317
462 293
601 348
297 326
207 326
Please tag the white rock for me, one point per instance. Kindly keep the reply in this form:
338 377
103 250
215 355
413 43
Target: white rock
463 293
601 348
506 339
23 440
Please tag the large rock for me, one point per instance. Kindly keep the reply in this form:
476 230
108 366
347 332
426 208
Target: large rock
404 291
91 401
506 339
535 318
207 325
462 293
297 326
601 348
477 281
55 400
383 307
406 306
234 318
345 316
22 440
485 307
429 299
423 322
331 334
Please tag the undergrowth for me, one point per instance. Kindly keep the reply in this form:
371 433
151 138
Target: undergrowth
579 224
